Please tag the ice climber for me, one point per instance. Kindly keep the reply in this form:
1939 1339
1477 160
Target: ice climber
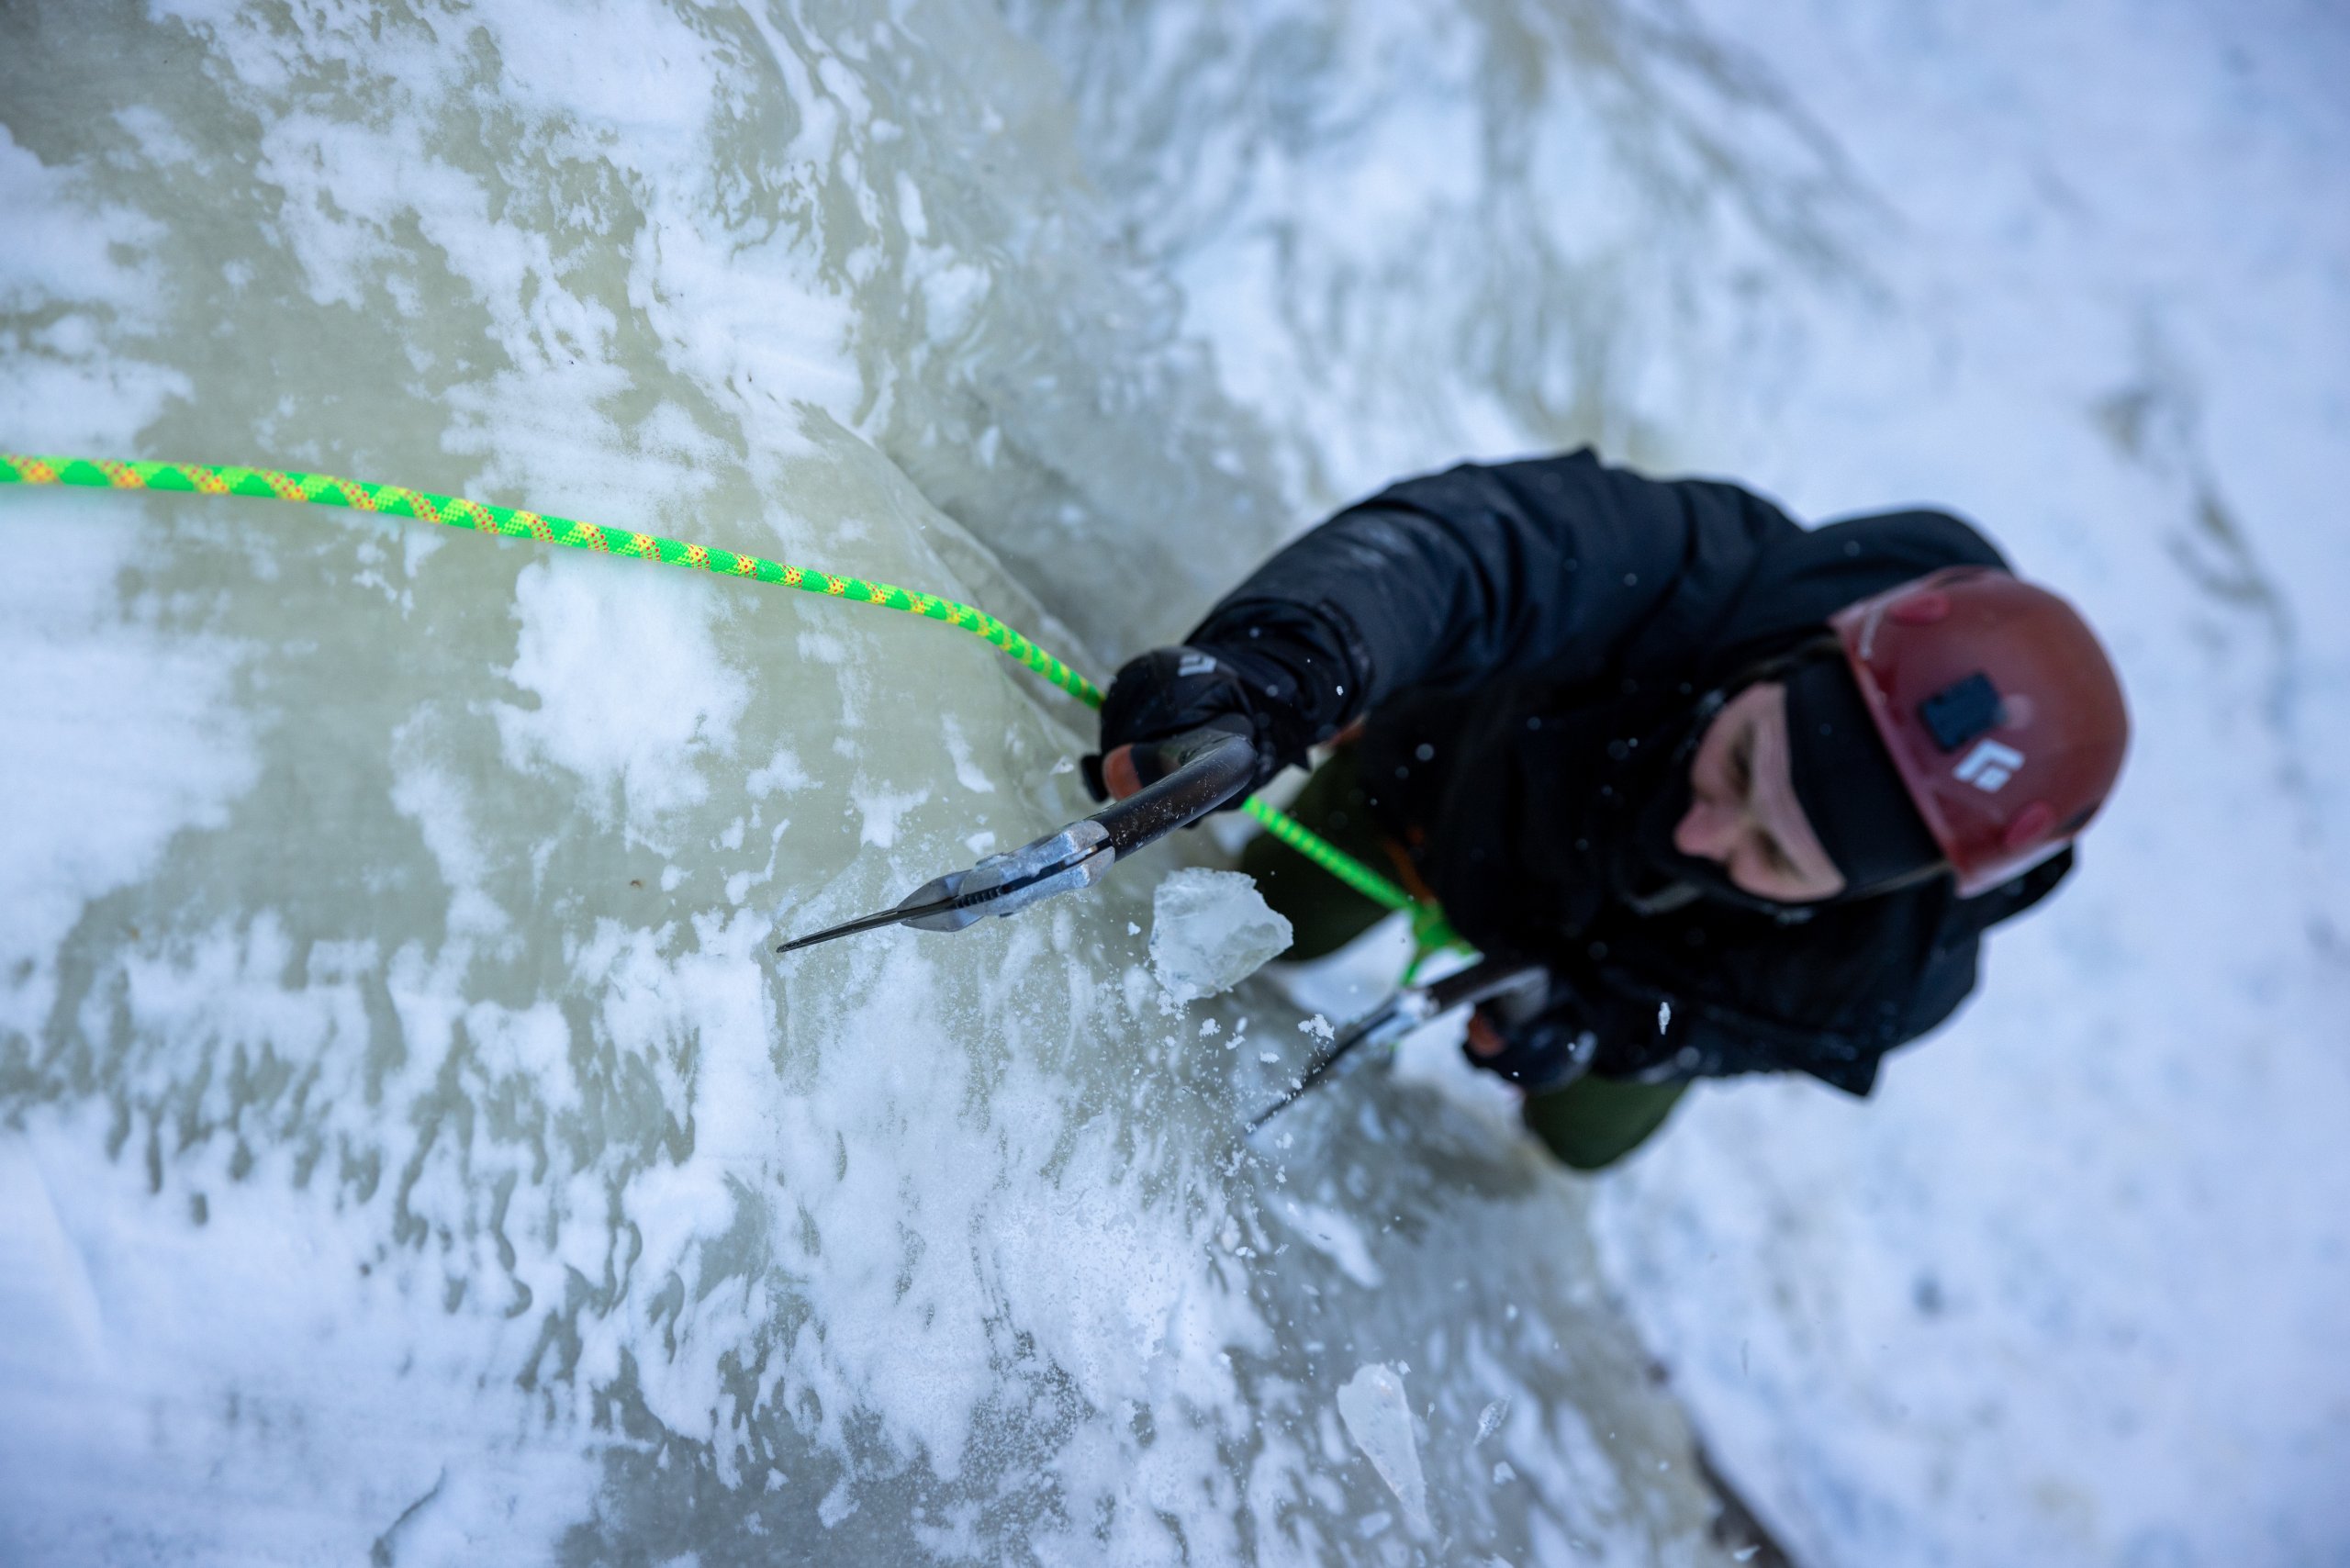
1750 792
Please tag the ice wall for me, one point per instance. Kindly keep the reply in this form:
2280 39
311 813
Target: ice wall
411 1147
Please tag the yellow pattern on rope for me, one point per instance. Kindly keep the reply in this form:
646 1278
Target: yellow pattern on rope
457 511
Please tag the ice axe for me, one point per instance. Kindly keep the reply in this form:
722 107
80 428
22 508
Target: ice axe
1410 1007
1183 779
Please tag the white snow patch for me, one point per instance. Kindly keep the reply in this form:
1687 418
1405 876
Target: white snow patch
113 737
1333 1234
631 693
958 751
782 772
878 810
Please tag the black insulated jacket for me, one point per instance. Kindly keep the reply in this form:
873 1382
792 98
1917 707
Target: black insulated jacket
1527 643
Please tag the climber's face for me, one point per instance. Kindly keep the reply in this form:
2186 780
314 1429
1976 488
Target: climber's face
1743 814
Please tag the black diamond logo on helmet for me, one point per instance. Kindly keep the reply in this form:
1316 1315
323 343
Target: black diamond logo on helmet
1962 711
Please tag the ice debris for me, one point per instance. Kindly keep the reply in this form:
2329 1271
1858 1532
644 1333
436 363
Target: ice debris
1211 930
1378 1419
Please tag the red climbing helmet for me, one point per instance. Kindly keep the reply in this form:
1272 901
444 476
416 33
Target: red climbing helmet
2002 712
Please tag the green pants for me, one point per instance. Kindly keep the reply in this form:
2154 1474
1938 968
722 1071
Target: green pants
1590 1122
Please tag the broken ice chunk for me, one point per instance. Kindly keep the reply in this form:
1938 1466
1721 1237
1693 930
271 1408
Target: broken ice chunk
1211 930
1380 1420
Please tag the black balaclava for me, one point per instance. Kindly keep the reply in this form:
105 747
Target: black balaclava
1650 867
1847 785
1843 778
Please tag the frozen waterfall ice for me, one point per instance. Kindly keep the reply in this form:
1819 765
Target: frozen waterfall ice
405 1137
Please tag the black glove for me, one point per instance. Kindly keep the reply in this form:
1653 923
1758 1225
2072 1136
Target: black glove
1170 692
1548 1048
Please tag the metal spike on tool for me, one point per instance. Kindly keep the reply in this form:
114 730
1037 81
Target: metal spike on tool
1184 779
1076 857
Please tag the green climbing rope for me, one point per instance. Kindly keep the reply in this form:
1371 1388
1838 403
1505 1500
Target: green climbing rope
455 511
1430 933
1328 855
